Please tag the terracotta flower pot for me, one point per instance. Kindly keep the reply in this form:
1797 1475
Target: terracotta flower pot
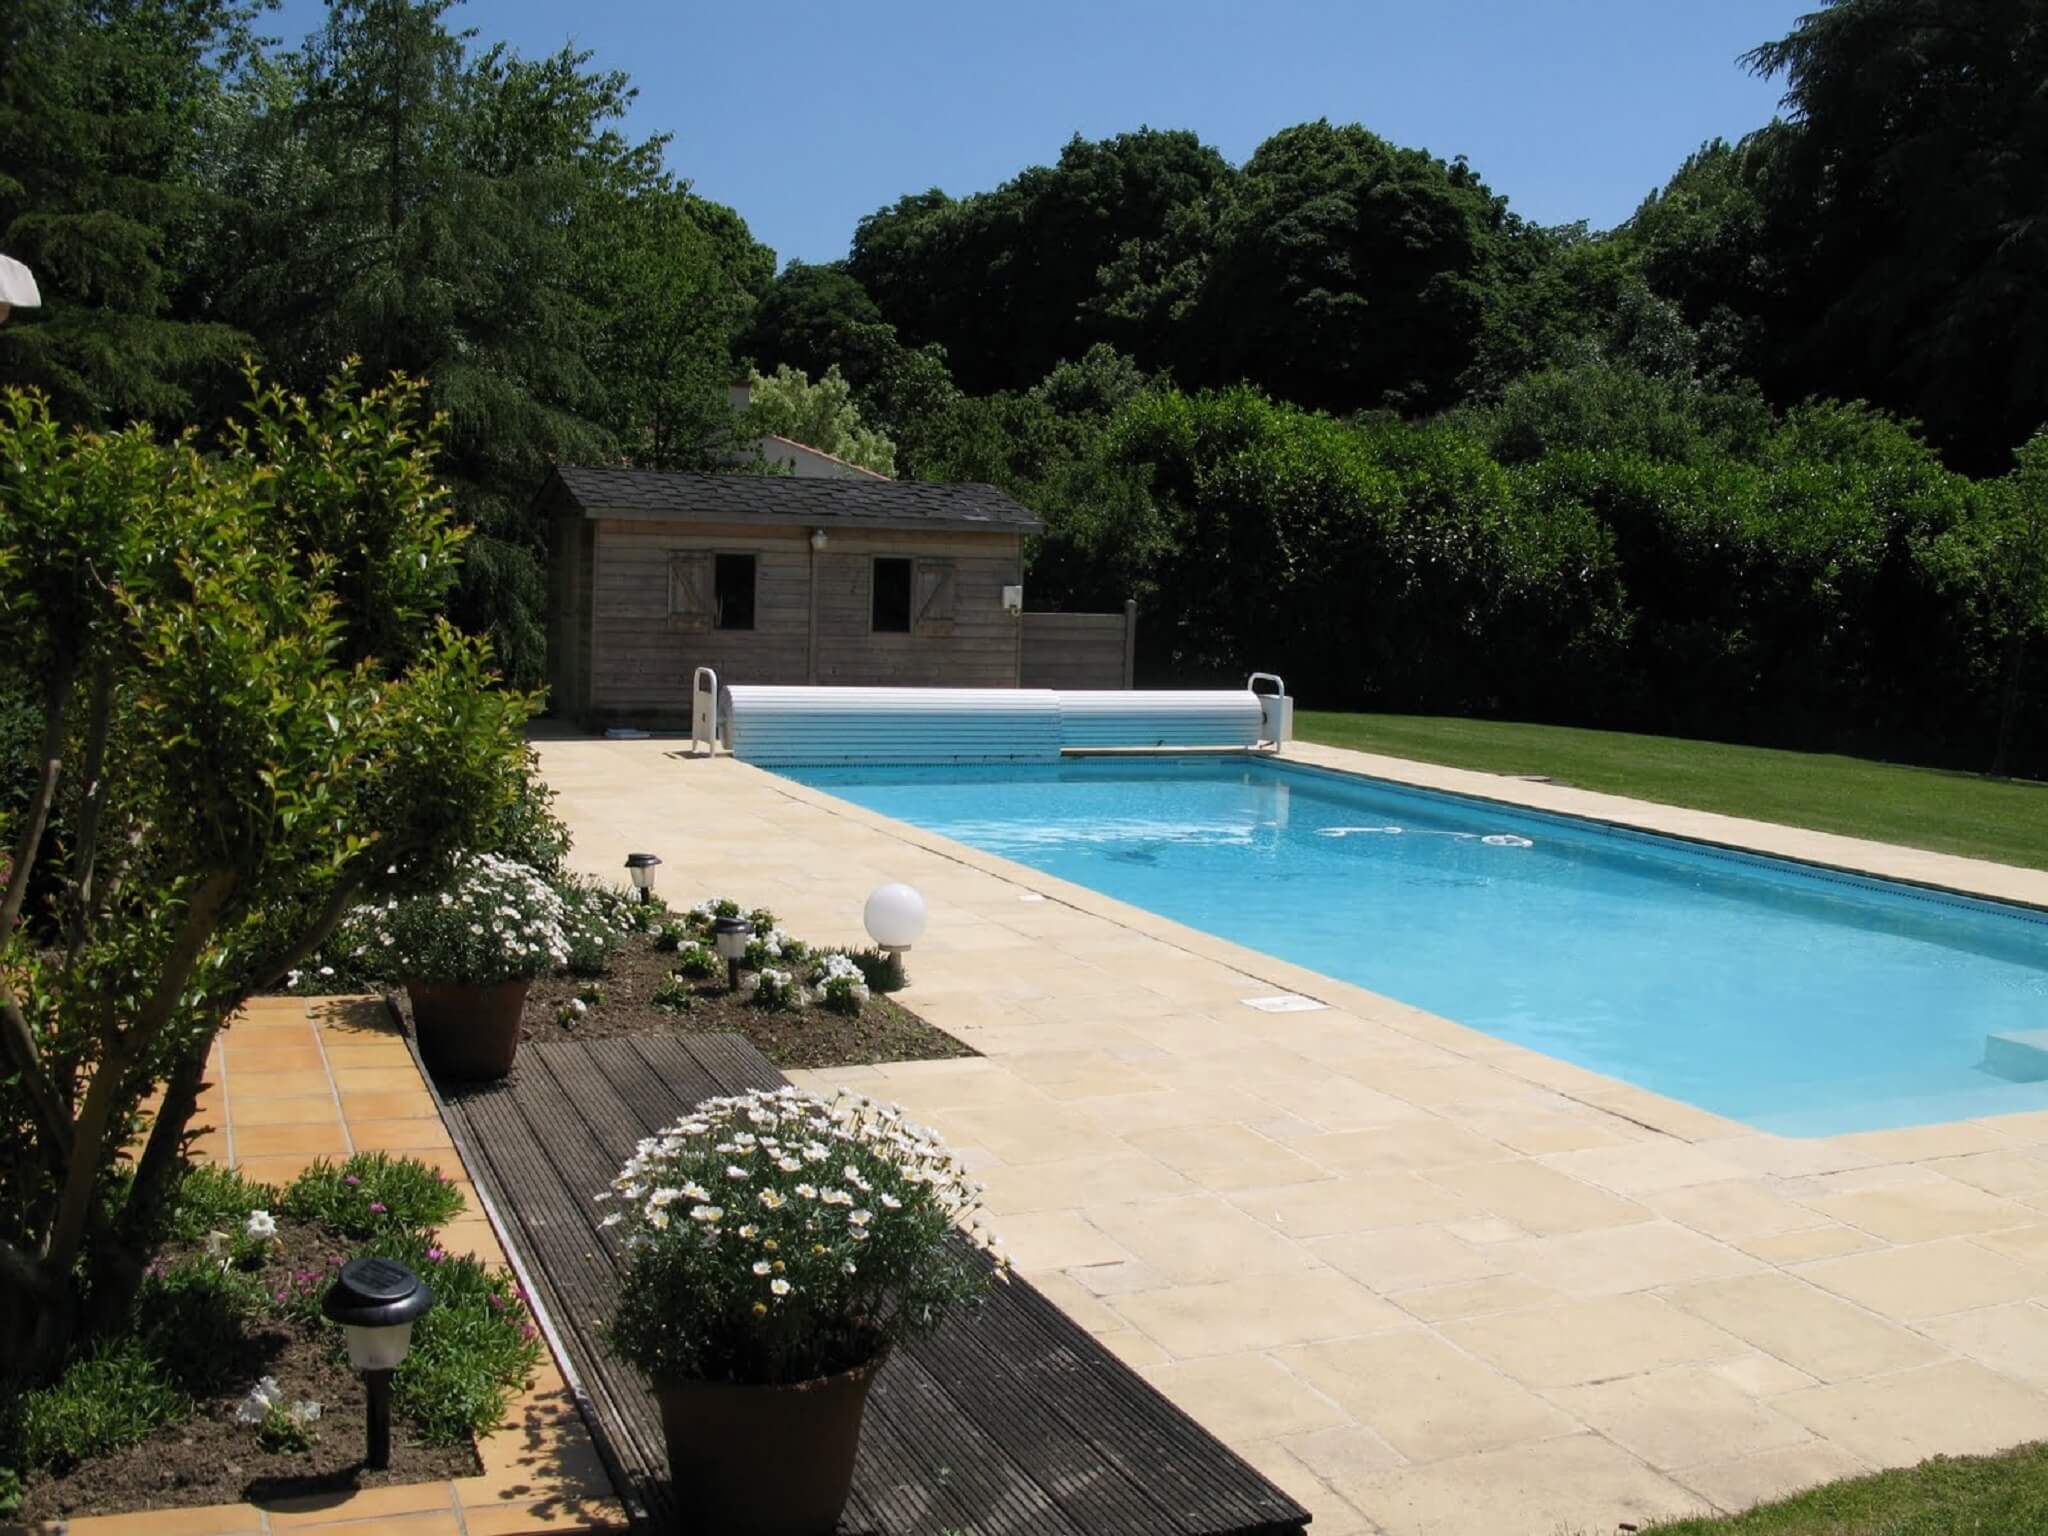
765 1461
467 1033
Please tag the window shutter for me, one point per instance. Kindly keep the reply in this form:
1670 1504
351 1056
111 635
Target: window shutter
933 598
689 593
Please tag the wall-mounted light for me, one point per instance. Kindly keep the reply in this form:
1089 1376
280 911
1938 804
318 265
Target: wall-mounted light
377 1301
817 538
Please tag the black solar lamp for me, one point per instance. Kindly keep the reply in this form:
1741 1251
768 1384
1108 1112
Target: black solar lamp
376 1301
641 866
731 936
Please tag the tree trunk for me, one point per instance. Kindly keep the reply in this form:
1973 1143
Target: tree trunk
2009 699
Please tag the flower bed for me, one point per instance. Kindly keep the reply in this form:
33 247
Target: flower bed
229 1385
800 1006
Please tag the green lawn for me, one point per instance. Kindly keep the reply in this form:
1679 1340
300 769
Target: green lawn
2004 820
1973 1496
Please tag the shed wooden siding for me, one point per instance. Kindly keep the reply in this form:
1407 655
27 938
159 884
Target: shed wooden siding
641 666
1078 650
977 648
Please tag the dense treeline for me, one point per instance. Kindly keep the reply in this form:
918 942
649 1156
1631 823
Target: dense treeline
1744 466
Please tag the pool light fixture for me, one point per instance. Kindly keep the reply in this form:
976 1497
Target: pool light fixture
731 935
895 916
377 1301
641 867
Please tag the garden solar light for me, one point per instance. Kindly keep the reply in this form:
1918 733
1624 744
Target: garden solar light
376 1301
894 916
731 936
641 866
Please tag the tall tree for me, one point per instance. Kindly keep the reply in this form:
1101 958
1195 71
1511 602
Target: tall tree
102 103
476 219
1913 210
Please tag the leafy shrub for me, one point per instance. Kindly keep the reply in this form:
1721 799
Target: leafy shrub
595 916
761 920
477 1342
674 994
880 969
696 961
496 921
841 987
670 937
372 1194
191 1316
355 957
823 1230
529 832
776 990
103 1402
215 1199
700 917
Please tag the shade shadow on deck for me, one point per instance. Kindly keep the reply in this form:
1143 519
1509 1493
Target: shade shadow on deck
1012 1419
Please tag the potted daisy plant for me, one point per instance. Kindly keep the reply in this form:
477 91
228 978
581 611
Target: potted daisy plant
468 953
778 1246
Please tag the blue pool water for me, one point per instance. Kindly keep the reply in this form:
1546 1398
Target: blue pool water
1800 1001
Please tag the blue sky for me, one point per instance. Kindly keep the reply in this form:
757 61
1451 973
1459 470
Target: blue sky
806 115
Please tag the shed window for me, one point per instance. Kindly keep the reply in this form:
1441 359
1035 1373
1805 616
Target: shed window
891 614
735 592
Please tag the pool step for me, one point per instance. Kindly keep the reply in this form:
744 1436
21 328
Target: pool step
2020 1055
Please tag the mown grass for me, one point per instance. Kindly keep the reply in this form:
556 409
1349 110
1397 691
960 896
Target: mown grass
2001 819
2005 1495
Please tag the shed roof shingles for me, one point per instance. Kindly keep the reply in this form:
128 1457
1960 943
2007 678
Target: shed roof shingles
604 491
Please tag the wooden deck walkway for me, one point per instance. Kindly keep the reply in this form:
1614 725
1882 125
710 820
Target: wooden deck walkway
1011 1420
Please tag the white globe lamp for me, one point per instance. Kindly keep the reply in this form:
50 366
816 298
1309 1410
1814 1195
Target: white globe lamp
895 916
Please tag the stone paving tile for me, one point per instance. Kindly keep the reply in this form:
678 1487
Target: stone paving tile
1954 1409
1737 1483
1577 1483
1245 1396
1669 1418
1608 1261
1644 1166
1421 1144
1805 1326
1237 1315
1928 1278
1540 1199
1423 1397
1732 1209
1581 1341
1363 1204
1917 1213
1473 1298
1332 1514
2012 1338
1198 1240
1827 1241
1227 1157
1407 1258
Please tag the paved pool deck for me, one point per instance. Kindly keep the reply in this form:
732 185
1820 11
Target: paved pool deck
1428 1281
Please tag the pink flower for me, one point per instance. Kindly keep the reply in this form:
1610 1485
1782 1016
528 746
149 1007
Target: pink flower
497 1303
527 1331
334 1261
351 1181
434 1255
377 1208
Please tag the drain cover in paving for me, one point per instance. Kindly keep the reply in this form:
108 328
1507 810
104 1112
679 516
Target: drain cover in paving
1286 1002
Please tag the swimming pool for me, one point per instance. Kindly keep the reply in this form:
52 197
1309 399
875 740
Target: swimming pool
1801 1001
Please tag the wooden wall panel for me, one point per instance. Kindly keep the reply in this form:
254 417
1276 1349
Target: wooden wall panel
640 669
1076 650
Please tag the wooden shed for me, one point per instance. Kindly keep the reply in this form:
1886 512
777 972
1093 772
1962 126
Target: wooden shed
774 579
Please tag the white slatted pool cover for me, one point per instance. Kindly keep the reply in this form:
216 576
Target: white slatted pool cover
792 725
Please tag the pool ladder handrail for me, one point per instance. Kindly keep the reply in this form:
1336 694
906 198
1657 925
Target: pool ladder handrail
704 712
1276 740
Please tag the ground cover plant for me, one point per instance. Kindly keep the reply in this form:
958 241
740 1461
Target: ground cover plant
2003 820
225 1382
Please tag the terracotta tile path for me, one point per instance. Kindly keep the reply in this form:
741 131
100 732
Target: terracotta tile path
292 1080
1428 1281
